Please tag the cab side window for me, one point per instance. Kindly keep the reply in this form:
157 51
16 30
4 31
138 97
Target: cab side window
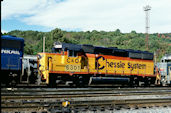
72 53
56 50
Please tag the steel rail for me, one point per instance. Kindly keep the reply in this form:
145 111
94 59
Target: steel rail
83 104
50 99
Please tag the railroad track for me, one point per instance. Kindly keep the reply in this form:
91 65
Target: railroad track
85 99
22 85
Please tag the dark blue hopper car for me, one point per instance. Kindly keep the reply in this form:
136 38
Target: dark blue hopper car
11 58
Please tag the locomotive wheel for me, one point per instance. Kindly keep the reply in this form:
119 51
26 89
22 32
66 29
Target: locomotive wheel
76 81
146 82
12 81
131 83
80 81
137 82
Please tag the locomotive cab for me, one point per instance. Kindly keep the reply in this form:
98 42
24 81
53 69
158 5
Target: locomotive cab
61 64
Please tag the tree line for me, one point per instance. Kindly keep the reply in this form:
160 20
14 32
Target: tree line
158 43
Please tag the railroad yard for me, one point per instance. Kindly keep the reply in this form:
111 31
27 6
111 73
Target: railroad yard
71 56
87 100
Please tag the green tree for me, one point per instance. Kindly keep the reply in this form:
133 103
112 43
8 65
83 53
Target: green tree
132 40
57 35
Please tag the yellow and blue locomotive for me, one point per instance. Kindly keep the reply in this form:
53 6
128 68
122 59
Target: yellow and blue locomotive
87 64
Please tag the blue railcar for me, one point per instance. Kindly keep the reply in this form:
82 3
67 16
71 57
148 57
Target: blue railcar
12 49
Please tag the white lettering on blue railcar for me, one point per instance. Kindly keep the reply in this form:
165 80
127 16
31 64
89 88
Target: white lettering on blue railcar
10 52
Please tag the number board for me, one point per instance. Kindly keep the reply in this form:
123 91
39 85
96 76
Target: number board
73 68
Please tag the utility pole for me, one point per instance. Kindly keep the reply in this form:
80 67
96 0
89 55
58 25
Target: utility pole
147 27
44 44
